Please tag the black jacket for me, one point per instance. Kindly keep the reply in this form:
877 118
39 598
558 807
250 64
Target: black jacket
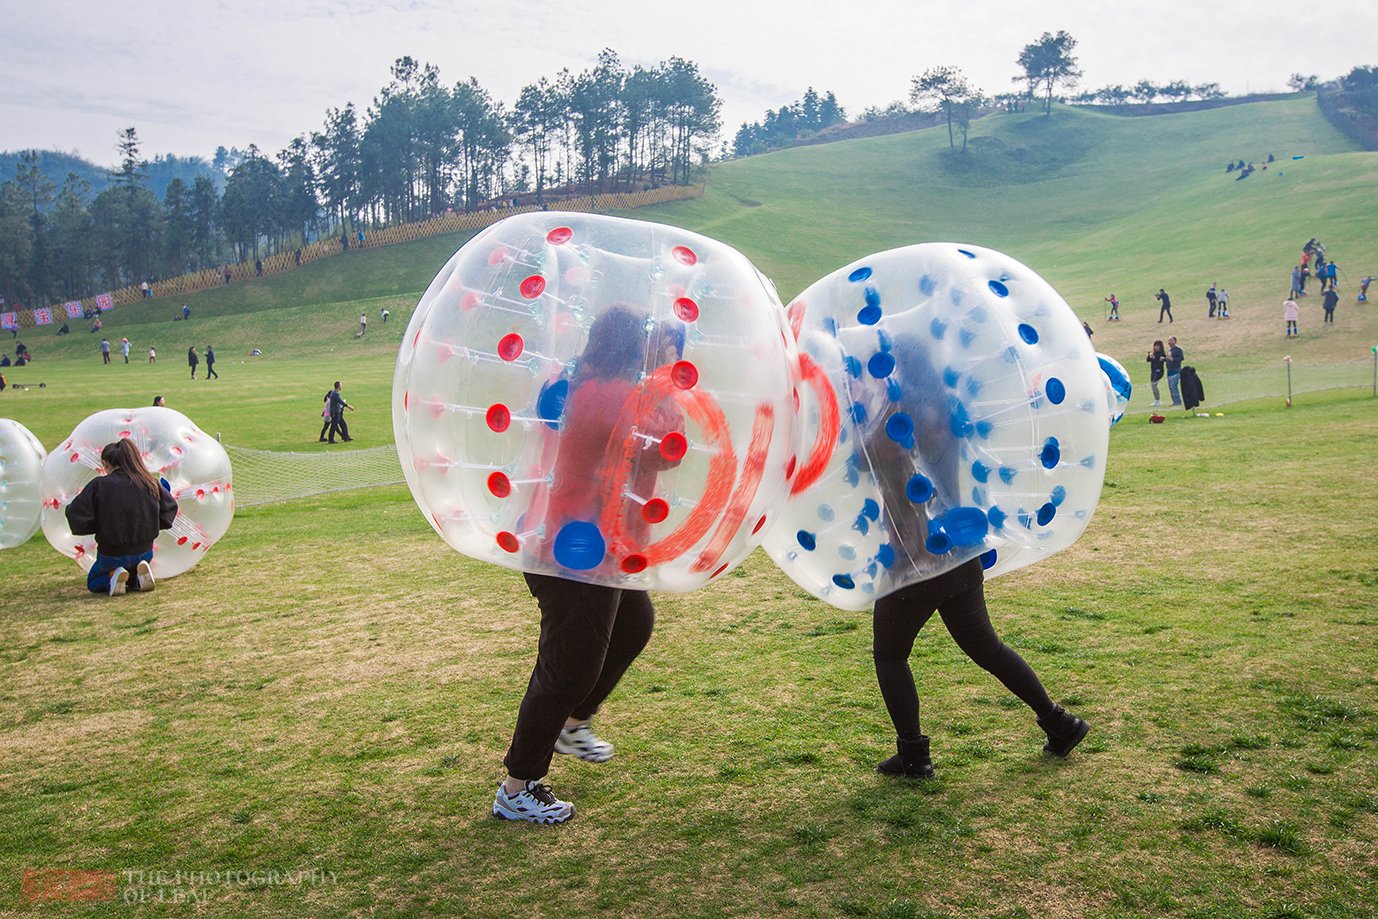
1193 393
123 517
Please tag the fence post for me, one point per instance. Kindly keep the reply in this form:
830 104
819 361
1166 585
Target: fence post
1375 370
1288 361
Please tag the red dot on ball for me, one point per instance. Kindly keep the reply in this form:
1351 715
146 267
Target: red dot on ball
684 374
498 417
684 255
674 446
655 510
533 287
633 564
497 256
181 540
499 485
759 523
559 236
721 569
510 348
789 470
796 400
686 309
469 302
508 542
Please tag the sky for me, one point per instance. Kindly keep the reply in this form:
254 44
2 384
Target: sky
192 76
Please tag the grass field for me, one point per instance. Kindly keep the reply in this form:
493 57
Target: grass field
332 689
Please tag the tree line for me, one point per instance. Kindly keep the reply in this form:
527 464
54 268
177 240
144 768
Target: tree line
420 148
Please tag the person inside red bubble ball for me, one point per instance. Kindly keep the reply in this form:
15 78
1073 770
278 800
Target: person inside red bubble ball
590 634
124 508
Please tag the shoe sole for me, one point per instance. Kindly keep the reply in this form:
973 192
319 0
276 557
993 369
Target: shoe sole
500 814
119 583
145 578
585 755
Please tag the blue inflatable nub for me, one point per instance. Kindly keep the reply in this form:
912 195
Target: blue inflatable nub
579 546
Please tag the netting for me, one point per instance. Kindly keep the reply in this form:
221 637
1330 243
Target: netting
1265 382
263 476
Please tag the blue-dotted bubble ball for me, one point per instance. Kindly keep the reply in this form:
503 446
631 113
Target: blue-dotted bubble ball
953 409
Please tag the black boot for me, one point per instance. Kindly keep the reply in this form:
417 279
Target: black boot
911 761
1064 731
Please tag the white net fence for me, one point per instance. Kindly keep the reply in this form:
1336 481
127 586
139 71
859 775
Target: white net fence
263 476
1265 382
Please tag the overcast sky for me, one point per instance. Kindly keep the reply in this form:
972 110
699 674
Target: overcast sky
191 76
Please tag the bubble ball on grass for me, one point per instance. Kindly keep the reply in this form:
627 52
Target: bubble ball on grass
493 381
1117 385
190 464
955 410
21 465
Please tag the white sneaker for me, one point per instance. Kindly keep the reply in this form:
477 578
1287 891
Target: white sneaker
534 803
1157 402
582 742
145 577
118 579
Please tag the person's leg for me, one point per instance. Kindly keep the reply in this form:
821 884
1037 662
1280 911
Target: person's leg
98 578
577 622
895 624
631 631
1173 387
344 428
334 427
1157 398
966 619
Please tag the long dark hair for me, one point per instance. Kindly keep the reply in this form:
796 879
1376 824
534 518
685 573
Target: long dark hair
616 347
1158 348
122 455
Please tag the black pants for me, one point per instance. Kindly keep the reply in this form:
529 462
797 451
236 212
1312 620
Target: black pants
210 372
589 637
959 597
337 423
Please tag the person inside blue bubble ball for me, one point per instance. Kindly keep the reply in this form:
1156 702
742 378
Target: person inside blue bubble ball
590 634
957 595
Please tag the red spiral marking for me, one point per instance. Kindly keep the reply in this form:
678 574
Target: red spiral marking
499 485
533 287
686 309
510 347
796 316
508 542
722 470
559 236
684 255
829 425
655 511
498 417
753 468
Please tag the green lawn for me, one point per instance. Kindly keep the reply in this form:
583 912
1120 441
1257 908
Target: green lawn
332 689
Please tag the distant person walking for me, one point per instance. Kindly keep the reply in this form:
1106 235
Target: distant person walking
1166 308
1290 313
1114 309
105 350
148 293
1157 361
1298 289
336 404
1175 356
227 274
186 311
152 356
1210 300
124 347
1332 299
385 314
363 325
192 360
210 364
1086 326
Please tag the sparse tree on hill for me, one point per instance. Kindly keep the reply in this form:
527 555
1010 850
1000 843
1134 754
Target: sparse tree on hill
1112 95
948 89
1047 63
1144 91
1303 84
1207 91
1177 90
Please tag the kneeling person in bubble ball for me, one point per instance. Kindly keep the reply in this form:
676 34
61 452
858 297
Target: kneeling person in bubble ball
125 508
957 595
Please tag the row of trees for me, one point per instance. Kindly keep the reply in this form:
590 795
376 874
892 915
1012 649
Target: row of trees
801 118
419 149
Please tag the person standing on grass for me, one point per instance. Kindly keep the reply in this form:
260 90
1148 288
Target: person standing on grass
124 347
1114 309
1210 301
124 508
957 595
590 634
385 314
105 350
1174 370
1332 299
1166 308
1157 361
1298 288
210 364
152 356
336 405
192 360
363 324
1290 314
1222 303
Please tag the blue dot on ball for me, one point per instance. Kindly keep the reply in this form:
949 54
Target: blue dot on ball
1056 391
881 365
919 488
1046 513
1050 454
1000 290
807 540
869 315
844 581
579 546
899 427
860 274
1028 333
